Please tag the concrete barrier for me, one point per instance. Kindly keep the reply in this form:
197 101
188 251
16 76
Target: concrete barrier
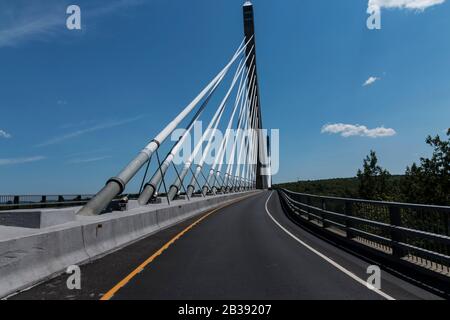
24 261
36 218
29 257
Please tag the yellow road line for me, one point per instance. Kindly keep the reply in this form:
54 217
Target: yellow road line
124 281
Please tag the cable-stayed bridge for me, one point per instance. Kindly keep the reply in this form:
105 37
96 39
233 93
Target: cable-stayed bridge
212 228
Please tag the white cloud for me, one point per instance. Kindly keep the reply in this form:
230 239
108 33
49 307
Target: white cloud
11 161
350 130
371 81
88 160
4 134
90 153
101 126
21 21
420 5
76 124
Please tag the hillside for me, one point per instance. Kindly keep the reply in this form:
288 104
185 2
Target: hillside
339 187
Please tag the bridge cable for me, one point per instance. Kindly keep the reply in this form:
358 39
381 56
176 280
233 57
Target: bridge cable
178 175
150 187
224 141
243 176
231 163
116 185
242 140
197 148
163 180
145 174
252 150
175 187
221 152
222 106
221 163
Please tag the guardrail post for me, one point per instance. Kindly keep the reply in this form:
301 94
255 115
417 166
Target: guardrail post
43 199
396 235
323 214
447 214
16 200
308 202
348 222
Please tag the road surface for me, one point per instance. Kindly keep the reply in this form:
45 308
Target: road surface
248 250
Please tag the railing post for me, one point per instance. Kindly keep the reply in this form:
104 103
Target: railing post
16 200
447 215
396 235
308 202
43 199
323 214
348 223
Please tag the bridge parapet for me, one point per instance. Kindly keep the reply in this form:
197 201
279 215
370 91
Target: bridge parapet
10 202
412 235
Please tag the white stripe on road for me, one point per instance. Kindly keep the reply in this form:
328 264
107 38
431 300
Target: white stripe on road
338 266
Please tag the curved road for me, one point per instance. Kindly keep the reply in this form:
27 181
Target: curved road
248 250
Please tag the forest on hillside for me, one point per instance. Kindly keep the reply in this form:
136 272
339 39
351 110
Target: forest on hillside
427 182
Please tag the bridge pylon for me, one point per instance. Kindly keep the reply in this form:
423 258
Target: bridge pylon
262 165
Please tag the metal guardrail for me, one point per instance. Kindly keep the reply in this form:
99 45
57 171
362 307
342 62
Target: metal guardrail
418 234
11 202
14 202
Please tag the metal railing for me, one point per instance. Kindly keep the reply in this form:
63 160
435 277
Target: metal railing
417 234
11 202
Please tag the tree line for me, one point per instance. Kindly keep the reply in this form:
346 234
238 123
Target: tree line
426 182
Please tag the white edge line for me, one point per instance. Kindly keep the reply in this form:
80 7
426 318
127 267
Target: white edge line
338 266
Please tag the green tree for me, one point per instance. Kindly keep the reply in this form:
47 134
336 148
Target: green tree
373 179
429 182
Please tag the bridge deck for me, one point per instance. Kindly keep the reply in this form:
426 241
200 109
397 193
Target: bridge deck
238 252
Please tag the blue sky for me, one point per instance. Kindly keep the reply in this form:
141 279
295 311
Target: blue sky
76 106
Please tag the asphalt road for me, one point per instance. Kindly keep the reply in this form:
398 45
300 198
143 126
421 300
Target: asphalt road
246 251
